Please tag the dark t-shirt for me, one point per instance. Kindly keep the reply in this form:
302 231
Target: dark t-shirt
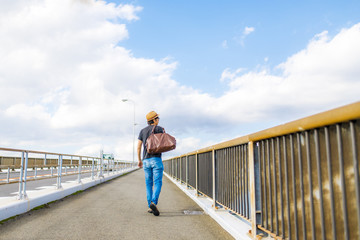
143 136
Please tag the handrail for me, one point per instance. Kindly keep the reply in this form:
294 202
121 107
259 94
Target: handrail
341 114
41 152
47 165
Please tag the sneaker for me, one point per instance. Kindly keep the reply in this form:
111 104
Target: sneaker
150 210
154 209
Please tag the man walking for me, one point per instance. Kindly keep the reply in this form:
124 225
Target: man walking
152 163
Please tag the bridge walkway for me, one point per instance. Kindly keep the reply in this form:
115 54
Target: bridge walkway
116 210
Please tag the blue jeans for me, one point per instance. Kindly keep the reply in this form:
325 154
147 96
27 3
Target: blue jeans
153 168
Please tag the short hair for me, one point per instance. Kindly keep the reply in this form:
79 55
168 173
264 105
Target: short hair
152 121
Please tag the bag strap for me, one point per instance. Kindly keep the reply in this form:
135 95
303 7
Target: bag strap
153 130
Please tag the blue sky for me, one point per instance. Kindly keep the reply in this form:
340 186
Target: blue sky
214 70
192 33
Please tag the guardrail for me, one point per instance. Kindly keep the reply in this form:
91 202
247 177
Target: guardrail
299 180
19 167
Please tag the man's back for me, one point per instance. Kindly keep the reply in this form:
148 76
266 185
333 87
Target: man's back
143 136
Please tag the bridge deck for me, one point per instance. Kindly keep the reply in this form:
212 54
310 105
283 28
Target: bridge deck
116 210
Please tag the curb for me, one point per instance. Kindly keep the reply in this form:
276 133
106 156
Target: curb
236 227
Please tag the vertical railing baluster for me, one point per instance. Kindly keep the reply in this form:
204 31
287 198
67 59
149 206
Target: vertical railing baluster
237 178
292 153
252 189
318 165
8 175
281 187
270 188
242 184
80 169
356 171
239 173
59 172
220 161
247 191
231 206
275 187
196 174
213 178
342 181
266 217
242 211
224 190
180 170
108 166
233 178
287 188
92 169
20 195
228 177
261 195
25 174
187 171
301 186
237 182
224 176
101 164
308 159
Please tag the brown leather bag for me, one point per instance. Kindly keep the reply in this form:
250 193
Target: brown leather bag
160 142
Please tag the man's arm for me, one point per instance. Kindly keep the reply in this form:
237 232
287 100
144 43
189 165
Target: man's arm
139 153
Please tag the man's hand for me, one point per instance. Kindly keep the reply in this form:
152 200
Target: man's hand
140 164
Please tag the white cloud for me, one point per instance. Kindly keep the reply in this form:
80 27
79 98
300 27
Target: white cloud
63 75
248 30
227 74
224 44
241 39
92 150
323 75
128 11
28 112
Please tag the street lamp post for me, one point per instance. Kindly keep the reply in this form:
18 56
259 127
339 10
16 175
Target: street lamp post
129 100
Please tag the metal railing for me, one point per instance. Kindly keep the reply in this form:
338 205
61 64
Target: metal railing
18 168
299 180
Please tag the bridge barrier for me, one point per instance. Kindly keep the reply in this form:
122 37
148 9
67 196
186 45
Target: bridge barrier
96 165
15 162
299 180
100 171
62 162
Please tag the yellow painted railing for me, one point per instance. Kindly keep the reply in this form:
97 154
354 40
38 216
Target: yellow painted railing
299 180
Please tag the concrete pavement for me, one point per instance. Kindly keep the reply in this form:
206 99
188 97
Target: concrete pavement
116 210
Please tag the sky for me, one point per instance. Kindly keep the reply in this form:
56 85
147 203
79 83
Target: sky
213 70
